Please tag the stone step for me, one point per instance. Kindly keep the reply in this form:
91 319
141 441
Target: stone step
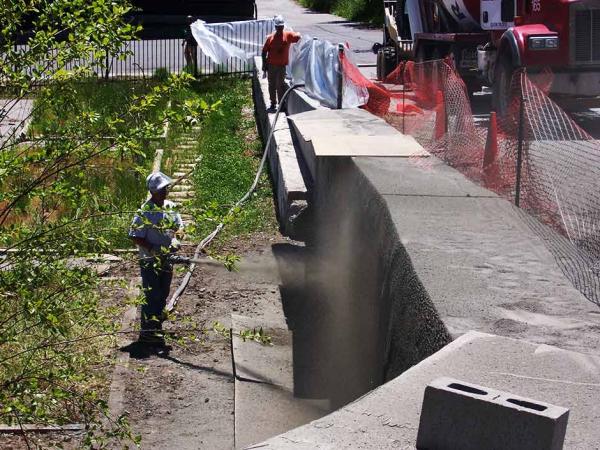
180 188
182 195
184 182
264 376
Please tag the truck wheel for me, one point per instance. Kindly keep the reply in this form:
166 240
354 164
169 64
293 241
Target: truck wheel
501 89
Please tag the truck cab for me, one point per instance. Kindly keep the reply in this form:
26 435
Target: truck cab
489 39
562 35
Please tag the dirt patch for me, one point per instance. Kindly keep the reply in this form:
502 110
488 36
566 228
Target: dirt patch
184 397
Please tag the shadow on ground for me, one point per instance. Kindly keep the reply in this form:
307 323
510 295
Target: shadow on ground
305 318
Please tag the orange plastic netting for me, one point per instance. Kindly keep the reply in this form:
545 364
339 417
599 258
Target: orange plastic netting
560 165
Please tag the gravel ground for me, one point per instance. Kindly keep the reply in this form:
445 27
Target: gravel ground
184 397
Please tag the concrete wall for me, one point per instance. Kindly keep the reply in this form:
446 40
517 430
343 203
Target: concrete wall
378 319
388 417
409 254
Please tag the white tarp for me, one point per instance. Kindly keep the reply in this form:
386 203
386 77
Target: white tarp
313 62
222 41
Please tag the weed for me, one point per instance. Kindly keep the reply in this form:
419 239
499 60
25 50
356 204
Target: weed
370 11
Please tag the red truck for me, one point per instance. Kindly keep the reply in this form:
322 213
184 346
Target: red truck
489 39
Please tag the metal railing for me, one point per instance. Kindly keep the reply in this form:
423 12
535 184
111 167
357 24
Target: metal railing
155 54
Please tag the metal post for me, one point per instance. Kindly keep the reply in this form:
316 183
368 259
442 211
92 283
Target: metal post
340 84
521 138
195 60
403 97
107 68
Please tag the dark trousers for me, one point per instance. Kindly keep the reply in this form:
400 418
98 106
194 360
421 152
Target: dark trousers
156 283
276 78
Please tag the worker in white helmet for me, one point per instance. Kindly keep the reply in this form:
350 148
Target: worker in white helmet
154 229
275 58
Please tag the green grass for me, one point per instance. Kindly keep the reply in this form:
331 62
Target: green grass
107 100
117 182
368 11
231 151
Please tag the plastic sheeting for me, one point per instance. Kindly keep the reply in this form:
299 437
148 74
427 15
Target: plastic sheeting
223 41
313 62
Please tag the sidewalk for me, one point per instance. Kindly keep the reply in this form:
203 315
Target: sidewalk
16 120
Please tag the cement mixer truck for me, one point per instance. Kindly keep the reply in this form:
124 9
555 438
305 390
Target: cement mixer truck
487 40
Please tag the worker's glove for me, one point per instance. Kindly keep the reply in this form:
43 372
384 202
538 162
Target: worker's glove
175 245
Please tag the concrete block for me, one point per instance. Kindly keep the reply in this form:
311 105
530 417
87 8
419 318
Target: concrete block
459 415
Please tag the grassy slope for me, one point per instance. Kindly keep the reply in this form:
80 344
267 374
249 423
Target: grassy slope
116 181
231 150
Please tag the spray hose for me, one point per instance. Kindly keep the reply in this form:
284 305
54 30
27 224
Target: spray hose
208 239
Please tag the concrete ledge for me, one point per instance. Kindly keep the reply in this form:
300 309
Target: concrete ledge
389 416
288 180
335 127
264 401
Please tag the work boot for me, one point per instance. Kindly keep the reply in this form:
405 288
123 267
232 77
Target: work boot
151 332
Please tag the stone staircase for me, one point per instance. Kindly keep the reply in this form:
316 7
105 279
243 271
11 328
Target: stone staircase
186 161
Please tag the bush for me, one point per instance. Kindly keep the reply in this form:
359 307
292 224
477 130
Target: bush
370 11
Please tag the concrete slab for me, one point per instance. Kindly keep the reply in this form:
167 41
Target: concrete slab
253 361
349 132
392 145
263 411
388 417
264 386
341 122
485 270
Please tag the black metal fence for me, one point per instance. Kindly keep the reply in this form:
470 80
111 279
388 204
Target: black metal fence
155 55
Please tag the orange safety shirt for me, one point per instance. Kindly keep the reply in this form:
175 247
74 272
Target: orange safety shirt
277 47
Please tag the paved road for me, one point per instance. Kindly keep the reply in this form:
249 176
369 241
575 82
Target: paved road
585 116
325 26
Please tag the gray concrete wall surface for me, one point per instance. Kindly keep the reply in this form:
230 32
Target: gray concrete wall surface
409 254
388 417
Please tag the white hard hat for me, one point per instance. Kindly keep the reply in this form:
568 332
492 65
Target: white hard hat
278 21
157 181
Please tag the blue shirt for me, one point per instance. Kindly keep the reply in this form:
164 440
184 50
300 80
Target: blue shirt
157 225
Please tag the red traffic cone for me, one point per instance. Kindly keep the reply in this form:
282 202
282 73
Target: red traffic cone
491 172
440 116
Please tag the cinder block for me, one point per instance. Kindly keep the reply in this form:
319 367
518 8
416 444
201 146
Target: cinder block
459 415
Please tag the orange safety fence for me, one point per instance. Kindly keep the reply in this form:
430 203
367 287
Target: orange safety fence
560 169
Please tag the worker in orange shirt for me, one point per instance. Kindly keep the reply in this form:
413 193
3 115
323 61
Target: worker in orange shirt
275 57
